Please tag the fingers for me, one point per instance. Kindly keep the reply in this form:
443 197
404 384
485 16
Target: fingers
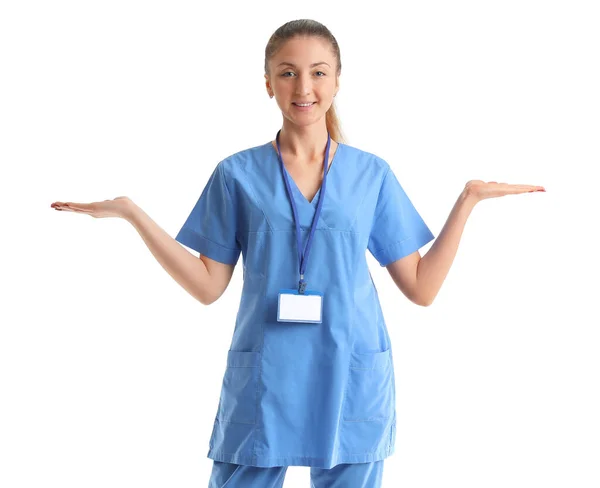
72 207
521 188
59 206
528 188
508 188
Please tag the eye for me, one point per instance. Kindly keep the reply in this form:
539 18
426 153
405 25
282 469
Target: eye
288 72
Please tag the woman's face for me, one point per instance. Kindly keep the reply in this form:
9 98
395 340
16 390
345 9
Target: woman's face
303 71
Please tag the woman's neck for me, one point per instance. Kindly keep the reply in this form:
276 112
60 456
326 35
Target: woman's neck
305 143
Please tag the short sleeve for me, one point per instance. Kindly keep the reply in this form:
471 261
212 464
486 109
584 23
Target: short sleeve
398 230
210 228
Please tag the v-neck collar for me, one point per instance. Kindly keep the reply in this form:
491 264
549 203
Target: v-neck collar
315 199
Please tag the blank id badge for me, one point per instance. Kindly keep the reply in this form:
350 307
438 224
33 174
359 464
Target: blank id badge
296 307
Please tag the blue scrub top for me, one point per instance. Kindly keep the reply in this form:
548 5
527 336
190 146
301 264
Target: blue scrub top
299 394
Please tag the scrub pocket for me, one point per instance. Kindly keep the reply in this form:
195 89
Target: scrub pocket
369 392
238 402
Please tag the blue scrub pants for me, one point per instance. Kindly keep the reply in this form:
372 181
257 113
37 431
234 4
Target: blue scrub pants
360 475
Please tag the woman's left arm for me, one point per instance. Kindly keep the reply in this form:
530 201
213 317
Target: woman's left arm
420 278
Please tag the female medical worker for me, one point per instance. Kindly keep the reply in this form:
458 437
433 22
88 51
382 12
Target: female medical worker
309 378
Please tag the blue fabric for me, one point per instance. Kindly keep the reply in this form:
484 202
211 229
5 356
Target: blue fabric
211 226
298 394
363 475
304 249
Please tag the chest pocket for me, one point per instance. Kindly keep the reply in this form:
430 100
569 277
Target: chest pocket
239 392
370 388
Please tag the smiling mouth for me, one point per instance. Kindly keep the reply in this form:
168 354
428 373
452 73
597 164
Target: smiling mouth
303 105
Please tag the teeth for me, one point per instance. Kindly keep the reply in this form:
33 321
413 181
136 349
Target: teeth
304 104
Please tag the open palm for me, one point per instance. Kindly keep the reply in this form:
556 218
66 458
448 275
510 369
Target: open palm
491 189
107 208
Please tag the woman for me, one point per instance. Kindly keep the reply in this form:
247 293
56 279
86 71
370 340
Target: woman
309 378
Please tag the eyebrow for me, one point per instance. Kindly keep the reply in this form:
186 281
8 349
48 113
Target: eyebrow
293 65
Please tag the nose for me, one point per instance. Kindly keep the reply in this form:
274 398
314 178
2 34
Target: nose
303 85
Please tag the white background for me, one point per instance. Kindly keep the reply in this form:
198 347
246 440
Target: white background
110 372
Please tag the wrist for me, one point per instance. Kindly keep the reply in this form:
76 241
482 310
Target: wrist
467 197
131 211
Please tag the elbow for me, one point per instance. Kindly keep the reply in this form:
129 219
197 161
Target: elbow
204 301
204 298
423 301
208 297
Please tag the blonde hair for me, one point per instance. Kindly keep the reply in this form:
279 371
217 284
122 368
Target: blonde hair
308 27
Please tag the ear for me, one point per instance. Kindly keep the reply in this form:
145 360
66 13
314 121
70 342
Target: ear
268 85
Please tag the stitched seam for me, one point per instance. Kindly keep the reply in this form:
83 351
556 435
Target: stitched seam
358 212
343 407
251 188
352 232
393 244
369 419
259 376
321 217
224 180
304 458
376 217
210 240
235 422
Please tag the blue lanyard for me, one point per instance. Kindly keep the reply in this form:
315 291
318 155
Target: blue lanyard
303 255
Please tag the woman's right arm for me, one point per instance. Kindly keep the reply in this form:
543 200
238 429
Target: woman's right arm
203 278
